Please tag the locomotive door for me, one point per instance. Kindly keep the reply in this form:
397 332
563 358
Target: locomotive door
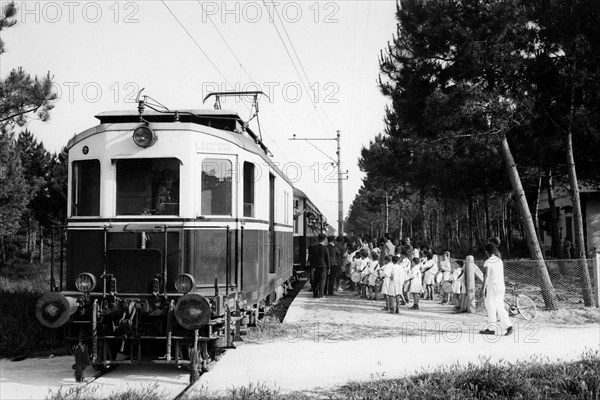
217 205
272 236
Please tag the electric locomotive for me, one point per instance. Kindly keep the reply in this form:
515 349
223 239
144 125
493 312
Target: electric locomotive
179 230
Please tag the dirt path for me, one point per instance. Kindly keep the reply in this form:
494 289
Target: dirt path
35 378
325 343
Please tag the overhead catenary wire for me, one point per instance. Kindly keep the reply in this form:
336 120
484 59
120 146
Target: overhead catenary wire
321 151
248 75
353 63
212 63
362 64
272 19
196 43
246 72
300 62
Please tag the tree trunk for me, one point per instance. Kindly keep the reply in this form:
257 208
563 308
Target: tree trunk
447 228
509 237
470 224
423 216
586 283
556 245
401 226
476 221
458 237
33 245
536 205
548 293
3 249
437 241
522 228
486 209
41 245
502 223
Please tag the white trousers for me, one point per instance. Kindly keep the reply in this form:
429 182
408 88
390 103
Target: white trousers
494 304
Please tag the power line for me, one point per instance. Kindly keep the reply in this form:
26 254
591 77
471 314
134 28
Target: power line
321 151
299 61
225 41
362 64
214 65
248 75
353 64
292 61
197 45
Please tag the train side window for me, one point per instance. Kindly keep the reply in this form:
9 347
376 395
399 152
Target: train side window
216 187
248 189
85 194
148 186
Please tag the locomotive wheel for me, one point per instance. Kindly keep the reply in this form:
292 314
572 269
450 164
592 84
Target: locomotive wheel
100 367
206 366
106 352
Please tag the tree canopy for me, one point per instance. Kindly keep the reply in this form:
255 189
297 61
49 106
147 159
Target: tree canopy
459 75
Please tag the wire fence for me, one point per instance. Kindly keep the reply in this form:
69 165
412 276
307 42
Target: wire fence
565 275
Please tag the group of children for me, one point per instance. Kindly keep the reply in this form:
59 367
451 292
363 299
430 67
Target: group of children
401 276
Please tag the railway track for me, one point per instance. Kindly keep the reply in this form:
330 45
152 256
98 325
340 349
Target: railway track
165 381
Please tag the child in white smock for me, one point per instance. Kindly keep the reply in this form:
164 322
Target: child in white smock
386 273
416 287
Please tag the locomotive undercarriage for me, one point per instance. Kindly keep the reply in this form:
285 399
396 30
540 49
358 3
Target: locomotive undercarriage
131 331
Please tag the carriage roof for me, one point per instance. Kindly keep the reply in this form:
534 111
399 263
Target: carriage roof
227 122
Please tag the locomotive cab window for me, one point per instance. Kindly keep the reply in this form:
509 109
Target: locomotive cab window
248 189
148 186
216 187
85 195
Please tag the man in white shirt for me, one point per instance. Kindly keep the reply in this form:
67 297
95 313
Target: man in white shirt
493 290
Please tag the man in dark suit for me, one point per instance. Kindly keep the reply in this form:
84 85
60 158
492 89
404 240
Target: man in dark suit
311 262
320 264
334 259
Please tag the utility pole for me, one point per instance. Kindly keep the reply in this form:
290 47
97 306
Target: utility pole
340 188
340 174
387 213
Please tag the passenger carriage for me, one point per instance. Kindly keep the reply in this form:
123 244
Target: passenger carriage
308 223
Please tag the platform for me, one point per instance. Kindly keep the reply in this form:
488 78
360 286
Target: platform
327 342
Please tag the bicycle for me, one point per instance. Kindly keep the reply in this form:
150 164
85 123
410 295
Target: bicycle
520 303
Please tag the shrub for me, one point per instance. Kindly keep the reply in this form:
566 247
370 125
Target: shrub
21 333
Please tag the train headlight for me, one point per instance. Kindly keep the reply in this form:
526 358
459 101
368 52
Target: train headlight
85 282
185 283
192 311
144 136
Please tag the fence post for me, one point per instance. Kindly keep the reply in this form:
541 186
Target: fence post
596 269
470 281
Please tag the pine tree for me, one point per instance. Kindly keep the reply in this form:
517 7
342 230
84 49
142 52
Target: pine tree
15 192
20 94
466 60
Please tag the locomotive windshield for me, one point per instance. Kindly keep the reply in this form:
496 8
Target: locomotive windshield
148 186
85 188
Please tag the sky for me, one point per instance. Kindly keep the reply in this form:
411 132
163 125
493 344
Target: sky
101 53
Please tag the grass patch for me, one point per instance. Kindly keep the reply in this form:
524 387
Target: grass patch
537 378
151 392
533 379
